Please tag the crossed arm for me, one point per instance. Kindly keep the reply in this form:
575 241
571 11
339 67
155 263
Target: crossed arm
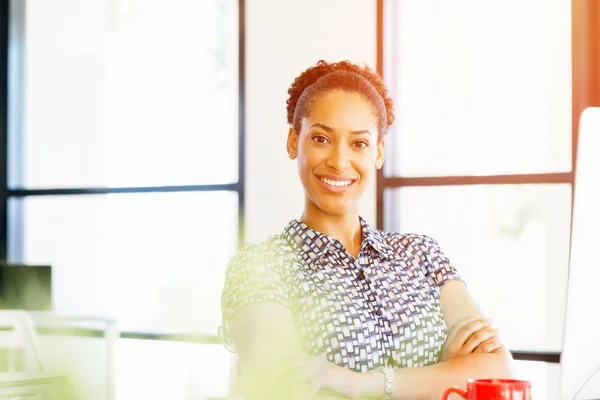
274 365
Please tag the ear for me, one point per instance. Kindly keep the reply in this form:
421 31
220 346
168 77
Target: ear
292 144
380 154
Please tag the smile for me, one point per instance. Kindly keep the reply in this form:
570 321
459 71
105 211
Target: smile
336 184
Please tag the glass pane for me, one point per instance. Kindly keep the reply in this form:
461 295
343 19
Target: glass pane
156 261
177 370
510 243
472 94
130 93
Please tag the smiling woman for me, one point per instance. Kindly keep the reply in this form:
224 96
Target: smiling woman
337 148
332 308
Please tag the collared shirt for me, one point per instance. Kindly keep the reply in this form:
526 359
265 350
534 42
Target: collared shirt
380 309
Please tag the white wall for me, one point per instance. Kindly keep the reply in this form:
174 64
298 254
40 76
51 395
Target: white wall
283 38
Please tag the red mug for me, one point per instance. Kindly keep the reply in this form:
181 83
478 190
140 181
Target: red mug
493 389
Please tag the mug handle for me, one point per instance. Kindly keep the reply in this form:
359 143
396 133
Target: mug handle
454 390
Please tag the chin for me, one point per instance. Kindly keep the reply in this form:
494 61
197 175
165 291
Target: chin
335 207
333 204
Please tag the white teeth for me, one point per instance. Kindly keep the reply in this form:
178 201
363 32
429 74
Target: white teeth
335 183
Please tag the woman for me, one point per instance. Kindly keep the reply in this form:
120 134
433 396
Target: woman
332 308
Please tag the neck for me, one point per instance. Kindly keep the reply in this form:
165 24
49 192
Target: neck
344 227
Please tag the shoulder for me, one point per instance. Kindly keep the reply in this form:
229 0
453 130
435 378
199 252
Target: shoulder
423 251
413 242
256 273
421 248
270 252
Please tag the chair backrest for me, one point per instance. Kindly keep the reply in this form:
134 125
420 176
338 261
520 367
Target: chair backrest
18 336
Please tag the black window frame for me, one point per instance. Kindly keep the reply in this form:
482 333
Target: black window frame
7 193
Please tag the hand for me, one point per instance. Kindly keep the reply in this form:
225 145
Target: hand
305 376
472 334
490 345
315 377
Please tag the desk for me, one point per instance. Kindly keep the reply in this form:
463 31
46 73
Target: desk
53 324
18 384
109 331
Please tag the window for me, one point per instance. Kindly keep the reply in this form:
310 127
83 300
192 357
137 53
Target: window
141 95
475 98
480 156
124 166
142 258
503 239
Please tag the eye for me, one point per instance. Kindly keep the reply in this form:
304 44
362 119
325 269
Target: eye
320 139
361 144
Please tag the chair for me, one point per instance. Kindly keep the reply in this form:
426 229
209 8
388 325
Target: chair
18 341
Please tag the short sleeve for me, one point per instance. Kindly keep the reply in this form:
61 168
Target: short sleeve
439 268
253 276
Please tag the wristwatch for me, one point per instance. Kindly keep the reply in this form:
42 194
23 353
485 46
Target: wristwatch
388 373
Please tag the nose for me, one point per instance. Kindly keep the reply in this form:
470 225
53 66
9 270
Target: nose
339 158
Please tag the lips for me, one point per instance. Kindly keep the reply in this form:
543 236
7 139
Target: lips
336 184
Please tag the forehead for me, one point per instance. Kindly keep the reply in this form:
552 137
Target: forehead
343 110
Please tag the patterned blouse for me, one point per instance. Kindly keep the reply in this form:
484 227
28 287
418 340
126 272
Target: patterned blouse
380 309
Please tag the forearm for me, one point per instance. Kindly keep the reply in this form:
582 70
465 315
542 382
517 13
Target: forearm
427 382
431 381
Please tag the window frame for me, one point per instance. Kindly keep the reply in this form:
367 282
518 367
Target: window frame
585 70
12 24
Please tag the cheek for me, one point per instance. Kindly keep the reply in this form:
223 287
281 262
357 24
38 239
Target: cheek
366 161
367 173
305 165
308 160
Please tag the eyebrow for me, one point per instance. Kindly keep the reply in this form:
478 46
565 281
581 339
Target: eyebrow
329 129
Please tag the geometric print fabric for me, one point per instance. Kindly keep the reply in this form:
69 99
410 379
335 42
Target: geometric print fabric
380 309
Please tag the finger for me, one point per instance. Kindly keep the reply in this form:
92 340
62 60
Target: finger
479 349
452 345
464 329
454 329
469 329
489 345
478 338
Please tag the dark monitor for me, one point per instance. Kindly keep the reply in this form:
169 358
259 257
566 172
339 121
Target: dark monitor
25 287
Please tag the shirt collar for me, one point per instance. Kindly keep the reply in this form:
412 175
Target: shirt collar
312 245
308 243
377 240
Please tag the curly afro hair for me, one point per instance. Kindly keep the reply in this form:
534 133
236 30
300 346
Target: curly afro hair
343 75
